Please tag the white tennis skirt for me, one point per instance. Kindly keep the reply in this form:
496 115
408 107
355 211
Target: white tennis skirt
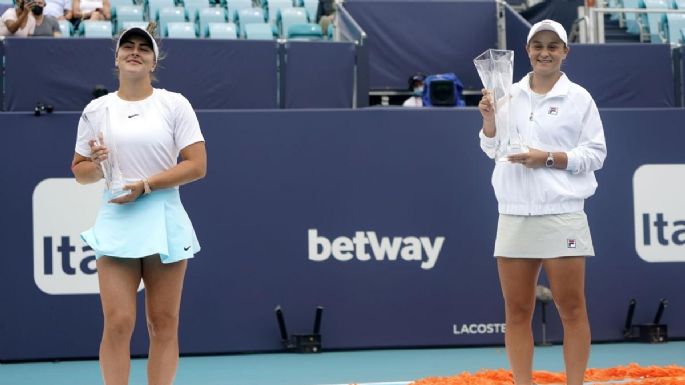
543 236
153 224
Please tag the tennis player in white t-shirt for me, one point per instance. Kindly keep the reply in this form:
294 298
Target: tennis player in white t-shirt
146 234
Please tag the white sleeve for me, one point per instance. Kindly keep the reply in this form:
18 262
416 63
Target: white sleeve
83 135
488 145
186 126
591 150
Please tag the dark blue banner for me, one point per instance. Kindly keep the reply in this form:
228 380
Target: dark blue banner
386 218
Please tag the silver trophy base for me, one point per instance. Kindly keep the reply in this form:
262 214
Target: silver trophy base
117 190
119 193
511 150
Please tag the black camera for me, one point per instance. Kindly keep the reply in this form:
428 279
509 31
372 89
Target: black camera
42 108
99 90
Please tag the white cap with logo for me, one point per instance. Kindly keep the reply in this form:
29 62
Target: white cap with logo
548 25
139 32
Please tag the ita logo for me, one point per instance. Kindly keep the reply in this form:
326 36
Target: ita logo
659 212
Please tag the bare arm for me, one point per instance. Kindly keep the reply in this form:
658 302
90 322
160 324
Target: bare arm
106 9
22 17
76 9
85 170
88 170
192 167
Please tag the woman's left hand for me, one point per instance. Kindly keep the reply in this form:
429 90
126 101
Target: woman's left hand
534 158
136 189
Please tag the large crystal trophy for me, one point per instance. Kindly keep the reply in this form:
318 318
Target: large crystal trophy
496 70
98 123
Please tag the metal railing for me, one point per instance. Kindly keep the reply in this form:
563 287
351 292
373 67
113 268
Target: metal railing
347 29
594 20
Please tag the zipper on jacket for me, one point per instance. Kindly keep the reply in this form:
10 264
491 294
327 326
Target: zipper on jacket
527 171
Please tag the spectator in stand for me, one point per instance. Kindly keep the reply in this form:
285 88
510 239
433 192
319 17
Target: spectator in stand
325 13
45 25
91 10
59 9
18 21
416 87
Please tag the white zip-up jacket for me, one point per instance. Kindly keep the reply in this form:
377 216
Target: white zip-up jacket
565 120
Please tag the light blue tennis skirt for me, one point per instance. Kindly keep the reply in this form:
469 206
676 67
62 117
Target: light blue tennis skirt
155 223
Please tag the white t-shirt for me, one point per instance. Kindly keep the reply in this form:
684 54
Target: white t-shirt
148 135
57 8
11 15
90 5
413 101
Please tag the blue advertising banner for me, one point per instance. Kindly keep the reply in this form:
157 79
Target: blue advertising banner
385 217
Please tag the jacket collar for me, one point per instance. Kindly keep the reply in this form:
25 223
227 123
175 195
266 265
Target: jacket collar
561 87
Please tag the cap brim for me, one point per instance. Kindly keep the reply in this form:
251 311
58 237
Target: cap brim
137 31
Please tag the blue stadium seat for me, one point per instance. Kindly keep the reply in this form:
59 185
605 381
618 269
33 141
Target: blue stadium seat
126 13
653 20
153 7
97 28
66 28
308 31
170 14
180 30
273 6
311 7
672 24
616 4
679 4
289 16
234 6
116 3
248 16
631 18
222 31
257 31
194 6
131 24
210 15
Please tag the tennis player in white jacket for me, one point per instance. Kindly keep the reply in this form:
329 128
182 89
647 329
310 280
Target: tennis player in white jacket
540 194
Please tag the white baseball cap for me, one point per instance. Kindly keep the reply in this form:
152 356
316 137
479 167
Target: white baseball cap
548 25
137 31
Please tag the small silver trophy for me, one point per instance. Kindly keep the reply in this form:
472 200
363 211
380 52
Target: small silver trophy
496 70
98 123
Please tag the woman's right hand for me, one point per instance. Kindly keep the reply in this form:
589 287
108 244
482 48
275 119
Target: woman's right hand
98 153
486 106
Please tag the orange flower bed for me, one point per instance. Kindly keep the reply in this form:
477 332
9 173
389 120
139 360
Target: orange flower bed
631 374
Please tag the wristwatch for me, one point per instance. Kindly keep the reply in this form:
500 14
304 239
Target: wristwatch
550 160
146 186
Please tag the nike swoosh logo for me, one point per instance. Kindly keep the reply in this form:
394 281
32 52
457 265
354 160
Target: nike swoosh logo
133 116
186 248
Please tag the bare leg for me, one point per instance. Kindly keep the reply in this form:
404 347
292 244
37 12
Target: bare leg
567 281
119 279
518 278
163 287
97 15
